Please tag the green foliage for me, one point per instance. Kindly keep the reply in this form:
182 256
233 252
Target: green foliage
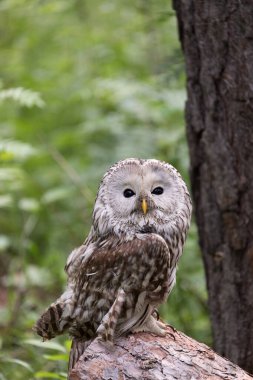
24 97
82 86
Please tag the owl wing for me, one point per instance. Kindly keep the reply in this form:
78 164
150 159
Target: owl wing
77 256
117 288
139 268
113 288
49 324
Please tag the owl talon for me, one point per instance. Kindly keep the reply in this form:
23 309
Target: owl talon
172 328
105 334
152 326
155 314
108 345
161 324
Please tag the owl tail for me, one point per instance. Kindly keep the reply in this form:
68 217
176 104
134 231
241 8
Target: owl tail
50 324
77 349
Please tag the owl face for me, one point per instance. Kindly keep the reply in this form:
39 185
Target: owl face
139 196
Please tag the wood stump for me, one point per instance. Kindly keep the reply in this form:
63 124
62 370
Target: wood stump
143 356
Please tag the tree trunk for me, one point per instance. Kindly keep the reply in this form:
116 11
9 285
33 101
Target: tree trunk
145 357
217 40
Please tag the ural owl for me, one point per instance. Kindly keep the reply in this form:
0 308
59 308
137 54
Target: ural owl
127 265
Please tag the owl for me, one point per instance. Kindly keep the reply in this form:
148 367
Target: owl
127 265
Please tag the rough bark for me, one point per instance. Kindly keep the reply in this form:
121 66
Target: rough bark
217 40
145 357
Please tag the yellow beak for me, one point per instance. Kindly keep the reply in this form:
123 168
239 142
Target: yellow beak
144 206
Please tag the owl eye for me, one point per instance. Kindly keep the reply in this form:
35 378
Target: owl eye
128 193
157 190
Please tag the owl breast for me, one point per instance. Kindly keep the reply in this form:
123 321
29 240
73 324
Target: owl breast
140 268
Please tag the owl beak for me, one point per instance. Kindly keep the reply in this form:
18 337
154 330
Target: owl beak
144 206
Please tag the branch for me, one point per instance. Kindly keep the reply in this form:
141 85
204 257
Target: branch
70 172
143 356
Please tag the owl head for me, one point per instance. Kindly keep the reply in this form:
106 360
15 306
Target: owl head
138 196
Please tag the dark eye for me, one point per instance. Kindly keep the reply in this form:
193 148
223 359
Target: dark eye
128 193
157 190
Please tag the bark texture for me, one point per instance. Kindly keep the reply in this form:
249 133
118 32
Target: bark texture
217 40
145 357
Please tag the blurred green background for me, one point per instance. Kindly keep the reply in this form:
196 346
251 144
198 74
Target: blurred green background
82 85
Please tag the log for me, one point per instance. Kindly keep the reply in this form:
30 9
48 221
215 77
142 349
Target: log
143 356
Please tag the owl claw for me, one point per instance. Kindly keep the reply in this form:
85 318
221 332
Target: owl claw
152 326
161 324
105 334
155 314
107 344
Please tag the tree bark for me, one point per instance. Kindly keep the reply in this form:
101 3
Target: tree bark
143 356
217 40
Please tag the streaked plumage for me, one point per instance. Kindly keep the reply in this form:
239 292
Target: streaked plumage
127 265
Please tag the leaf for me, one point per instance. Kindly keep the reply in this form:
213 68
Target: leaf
5 242
29 204
11 174
47 345
63 374
10 149
58 357
6 200
36 276
24 97
68 344
55 195
48 375
18 362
